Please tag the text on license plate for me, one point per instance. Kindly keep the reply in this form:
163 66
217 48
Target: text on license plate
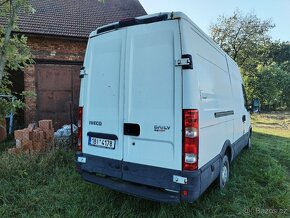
106 143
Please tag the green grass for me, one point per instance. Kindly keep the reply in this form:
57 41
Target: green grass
48 186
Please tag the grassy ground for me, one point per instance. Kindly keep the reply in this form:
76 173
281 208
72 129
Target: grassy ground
48 186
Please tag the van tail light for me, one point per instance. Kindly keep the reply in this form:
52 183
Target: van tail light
190 140
80 129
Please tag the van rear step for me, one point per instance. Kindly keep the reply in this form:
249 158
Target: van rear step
142 191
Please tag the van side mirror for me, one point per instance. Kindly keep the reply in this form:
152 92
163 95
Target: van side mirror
255 107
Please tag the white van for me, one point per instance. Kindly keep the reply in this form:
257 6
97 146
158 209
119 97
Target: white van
162 109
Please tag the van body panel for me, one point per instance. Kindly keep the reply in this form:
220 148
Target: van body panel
238 100
208 89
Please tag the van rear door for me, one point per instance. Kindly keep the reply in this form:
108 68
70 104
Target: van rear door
103 109
153 107
133 112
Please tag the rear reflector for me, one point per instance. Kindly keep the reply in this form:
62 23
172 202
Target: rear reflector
80 129
185 193
190 140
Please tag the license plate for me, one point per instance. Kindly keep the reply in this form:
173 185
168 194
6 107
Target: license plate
105 143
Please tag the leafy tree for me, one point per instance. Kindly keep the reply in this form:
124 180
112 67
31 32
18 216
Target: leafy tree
279 52
265 65
269 84
241 36
14 52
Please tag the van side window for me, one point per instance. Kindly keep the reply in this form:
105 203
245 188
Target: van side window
245 96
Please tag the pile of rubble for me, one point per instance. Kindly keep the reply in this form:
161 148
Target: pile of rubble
34 139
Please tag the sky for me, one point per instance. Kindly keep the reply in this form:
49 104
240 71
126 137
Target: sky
205 12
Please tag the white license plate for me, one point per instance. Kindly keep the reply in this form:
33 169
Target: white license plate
106 143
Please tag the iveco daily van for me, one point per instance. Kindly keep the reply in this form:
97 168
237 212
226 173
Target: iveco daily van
162 109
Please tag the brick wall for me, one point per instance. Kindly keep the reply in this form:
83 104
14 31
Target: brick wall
51 49
46 48
29 85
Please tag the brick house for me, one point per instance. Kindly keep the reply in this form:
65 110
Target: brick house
57 35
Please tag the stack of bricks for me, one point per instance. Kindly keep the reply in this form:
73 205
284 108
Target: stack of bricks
34 139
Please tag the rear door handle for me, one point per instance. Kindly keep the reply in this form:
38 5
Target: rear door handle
244 118
132 129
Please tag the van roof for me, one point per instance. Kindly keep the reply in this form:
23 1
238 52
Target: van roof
162 16
150 17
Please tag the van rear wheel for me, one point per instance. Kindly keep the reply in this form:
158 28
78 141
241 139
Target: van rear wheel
224 172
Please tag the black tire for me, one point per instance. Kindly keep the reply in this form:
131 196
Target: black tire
224 172
249 145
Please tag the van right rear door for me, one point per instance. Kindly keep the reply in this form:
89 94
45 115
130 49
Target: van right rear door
153 104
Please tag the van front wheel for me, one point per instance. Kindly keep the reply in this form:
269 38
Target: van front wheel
224 172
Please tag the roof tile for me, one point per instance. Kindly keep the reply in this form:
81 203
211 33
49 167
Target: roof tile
75 18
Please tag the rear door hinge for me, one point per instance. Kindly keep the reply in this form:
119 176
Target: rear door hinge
83 72
185 62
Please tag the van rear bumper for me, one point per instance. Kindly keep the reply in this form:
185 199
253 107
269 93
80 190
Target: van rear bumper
139 188
135 189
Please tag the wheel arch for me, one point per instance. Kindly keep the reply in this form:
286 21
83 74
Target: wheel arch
227 149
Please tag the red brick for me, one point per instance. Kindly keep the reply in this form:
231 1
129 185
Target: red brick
37 135
27 145
49 134
27 134
18 134
45 124
22 134
37 147
41 135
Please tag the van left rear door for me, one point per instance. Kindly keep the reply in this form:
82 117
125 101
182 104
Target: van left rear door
103 110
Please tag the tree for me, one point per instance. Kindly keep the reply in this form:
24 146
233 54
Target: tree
279 52
241 36
270 84
265 65
14 52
